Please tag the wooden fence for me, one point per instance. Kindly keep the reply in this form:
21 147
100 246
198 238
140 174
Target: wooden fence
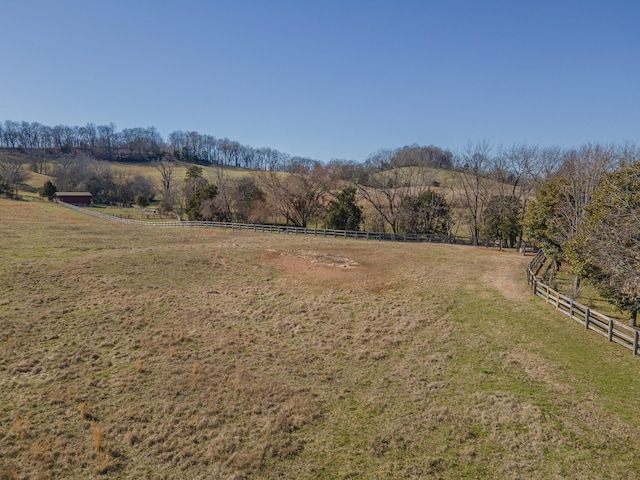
321 232
615 331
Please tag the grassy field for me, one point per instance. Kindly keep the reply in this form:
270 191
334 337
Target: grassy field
150 214
130 352
587 295
149 170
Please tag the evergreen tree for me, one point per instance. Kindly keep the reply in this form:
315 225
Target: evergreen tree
501 219
195 201
142 201
344 212
48 190
543 220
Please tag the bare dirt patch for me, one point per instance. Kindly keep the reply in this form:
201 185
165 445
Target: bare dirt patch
327 259
316 266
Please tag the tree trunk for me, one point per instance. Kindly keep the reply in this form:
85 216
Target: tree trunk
576 286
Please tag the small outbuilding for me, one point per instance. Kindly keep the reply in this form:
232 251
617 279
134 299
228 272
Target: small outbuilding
82 199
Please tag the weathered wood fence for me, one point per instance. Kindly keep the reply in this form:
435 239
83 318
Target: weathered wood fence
321 232
615 331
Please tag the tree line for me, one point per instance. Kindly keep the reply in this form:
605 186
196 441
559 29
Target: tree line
581 205
587 214
105 142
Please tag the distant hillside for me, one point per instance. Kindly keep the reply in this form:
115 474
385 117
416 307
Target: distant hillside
105 142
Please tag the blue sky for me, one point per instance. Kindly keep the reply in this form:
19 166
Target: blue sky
330 79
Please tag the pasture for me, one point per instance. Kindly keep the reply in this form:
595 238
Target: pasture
130 352
180 170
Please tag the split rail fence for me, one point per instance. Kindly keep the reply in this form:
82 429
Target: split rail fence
615 331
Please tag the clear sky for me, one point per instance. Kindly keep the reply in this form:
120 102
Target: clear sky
329 78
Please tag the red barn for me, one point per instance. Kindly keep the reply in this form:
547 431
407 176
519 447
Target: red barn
82 199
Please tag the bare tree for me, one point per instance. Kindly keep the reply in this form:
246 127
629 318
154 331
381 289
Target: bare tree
167 177
107 140
473 167
223 203
581 172
10 134
236 199
385 185
549 161
88 137
299 195
12 172
515 170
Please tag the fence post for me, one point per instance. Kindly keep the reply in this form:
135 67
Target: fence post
610 329
571 308
548 288
534 285
586 319
635 342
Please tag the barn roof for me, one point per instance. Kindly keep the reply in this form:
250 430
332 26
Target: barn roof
73 194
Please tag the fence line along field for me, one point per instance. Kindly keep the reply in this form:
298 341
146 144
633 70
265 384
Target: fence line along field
615 331
130 352
146 219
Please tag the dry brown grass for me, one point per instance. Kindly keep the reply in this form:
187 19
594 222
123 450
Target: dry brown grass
98 437
83 407
19 428
271 356
148 170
